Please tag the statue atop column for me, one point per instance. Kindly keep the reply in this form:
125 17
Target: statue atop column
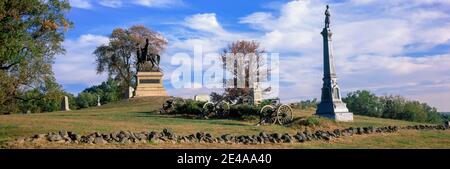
146 61
327 17
149 76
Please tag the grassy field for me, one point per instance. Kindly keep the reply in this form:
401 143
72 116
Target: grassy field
139 115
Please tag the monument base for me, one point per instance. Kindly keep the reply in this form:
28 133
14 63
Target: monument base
336 110
150 84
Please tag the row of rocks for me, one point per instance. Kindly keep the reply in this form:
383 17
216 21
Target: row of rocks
167 136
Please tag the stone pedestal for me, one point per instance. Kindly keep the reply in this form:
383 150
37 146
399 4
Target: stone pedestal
150 84
334 110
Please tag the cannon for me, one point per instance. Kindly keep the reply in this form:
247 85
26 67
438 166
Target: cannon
275 112
219 109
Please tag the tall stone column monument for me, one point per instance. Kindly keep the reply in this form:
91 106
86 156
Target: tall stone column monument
331 104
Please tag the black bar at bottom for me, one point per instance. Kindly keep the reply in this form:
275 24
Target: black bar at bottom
230 158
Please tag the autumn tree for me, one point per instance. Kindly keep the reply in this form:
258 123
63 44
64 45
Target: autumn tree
31 32
118 57
240 54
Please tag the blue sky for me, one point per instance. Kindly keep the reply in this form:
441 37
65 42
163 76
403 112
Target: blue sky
386 46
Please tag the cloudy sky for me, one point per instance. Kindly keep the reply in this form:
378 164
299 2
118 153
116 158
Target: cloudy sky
385 46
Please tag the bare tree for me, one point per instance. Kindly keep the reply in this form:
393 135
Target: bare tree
246 60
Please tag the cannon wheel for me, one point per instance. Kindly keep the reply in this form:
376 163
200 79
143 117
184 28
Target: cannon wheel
208 109
222 109
284 114
267 114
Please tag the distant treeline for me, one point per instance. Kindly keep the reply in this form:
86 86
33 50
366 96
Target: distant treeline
363 102
50 99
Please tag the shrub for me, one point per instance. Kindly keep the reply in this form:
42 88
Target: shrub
191 107
85 100
312 121
240 110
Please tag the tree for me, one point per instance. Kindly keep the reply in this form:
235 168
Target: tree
414 112
118 58
215 97
108 91
47 98
85 100
242 49
31 32
364 103
394 106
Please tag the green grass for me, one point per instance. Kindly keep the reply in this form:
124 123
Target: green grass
139 115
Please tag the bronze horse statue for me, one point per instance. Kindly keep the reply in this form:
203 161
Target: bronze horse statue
143 57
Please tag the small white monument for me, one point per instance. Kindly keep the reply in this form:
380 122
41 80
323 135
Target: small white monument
65 104
130 93
257 94
98 101
202 98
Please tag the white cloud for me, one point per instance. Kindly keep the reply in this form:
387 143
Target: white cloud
258 20
84 4
77 66
89 4
158 3
362 2
205 31
380 36
293 30
111 3
206 22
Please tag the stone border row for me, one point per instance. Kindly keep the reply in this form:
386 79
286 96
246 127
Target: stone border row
167 136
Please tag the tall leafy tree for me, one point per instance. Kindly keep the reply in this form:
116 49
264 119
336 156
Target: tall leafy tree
364 102
118 57
31 32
